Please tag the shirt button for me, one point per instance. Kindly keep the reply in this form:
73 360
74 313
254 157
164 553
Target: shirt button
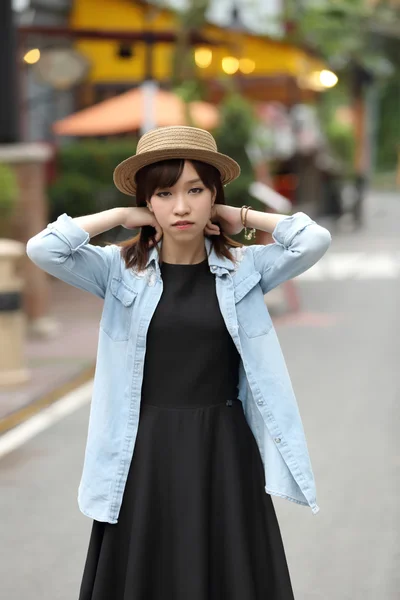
278 440
213 269
260 402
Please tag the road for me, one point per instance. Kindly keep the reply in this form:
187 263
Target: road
343 352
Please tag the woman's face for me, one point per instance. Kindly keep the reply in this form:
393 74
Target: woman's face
183 209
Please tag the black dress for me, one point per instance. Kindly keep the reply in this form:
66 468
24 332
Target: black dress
195 521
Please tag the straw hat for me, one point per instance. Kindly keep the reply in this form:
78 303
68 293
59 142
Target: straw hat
174 142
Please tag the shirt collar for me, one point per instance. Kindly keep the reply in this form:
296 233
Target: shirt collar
213 259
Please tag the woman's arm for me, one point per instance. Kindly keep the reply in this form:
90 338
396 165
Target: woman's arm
299 243
230 219
263 221
64 251
102 221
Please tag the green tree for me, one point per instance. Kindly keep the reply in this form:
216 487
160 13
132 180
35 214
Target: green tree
8 191
233 136
190 20
354 37
388 131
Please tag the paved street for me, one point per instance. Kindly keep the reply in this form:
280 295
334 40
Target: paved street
343 354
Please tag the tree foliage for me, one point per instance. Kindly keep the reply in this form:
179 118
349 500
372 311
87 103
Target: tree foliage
349 33
233 136
361 42
8 191
191 19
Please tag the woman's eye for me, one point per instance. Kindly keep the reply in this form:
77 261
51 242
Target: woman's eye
196 190
163 194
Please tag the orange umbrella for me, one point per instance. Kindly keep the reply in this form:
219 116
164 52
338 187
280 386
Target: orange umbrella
125 113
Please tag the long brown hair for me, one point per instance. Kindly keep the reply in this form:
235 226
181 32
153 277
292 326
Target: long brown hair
165 174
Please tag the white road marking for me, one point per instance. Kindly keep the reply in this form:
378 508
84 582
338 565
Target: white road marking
46 418
354 265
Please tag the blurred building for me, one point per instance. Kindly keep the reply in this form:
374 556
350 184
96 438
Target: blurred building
93 49
41 103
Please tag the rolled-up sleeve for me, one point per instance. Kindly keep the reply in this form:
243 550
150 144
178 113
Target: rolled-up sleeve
299 242
63 250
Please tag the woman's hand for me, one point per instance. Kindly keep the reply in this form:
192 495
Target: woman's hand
136 217
228 218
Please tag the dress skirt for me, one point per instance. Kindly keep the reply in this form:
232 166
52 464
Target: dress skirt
195 521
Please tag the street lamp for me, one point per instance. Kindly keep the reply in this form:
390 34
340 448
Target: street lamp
246 66
230 65
318 81
236 62
32 56
203 57
328 79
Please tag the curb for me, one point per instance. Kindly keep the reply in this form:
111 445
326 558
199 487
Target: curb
16 418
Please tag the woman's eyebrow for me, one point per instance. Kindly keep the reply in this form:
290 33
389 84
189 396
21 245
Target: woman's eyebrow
190 182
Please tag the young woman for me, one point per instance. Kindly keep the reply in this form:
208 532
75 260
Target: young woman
193 421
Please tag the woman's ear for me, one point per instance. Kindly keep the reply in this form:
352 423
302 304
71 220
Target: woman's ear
149 207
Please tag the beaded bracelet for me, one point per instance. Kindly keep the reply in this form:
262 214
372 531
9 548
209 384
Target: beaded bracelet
248 234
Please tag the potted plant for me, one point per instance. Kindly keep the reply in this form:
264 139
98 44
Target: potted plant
8 197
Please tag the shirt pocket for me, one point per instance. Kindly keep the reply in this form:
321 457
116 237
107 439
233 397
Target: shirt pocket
252 313
116 320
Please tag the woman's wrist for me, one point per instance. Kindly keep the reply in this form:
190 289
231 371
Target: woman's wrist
263 221
122 214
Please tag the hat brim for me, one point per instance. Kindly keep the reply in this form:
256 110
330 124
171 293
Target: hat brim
125 172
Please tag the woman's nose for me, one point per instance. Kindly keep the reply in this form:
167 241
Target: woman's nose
181 205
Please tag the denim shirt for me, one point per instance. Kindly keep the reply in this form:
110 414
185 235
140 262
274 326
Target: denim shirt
130 299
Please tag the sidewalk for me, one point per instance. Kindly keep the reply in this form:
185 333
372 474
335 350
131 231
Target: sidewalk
56 365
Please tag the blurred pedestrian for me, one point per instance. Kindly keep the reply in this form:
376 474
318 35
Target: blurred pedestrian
193 422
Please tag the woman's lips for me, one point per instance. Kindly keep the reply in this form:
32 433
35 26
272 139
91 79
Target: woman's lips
186 225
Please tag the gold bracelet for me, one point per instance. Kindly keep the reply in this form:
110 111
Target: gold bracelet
248 234
241 215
